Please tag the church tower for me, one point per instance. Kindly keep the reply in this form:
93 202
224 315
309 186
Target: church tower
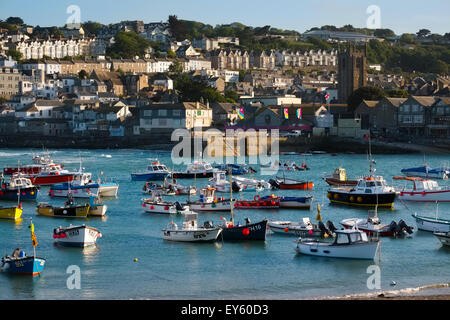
352 71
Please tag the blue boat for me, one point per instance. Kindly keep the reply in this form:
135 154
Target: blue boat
155 172
22 264
235 169
293 202
427 172
17 188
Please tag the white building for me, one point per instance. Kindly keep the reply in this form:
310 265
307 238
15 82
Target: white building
53 48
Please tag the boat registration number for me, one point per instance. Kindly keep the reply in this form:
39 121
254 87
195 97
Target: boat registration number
74 233
199 235
19 264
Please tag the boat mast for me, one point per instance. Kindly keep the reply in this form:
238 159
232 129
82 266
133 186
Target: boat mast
231 194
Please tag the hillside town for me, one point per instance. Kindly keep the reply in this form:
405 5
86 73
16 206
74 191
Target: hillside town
71 83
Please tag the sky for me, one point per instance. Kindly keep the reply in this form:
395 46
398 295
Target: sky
401 16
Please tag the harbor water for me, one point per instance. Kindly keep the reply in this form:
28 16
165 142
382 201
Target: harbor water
131 261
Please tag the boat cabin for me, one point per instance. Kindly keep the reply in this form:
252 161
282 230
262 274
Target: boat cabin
372 184
18 182
207 195
156 166
420 184
190 221
349 236
199 166
340 174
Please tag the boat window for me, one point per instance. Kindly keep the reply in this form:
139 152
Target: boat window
354 237
378 183
370 184
368 191
155 168
364 237
342 238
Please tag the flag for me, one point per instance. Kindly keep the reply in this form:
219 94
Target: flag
286 113
241 113
33 236
327 96
299 113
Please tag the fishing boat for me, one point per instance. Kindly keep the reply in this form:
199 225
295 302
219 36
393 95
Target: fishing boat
258 203
69 210
423 190
221 184
256 231
169 189
293 202
96 207
76 236
339 178
197 169
190 231
427 172
302 228
13 213
17 187
22 264
373 227
443 237
433 224
208 202
83 186
39 163
348 243
157 205
236 169
290 184
251 185
155 172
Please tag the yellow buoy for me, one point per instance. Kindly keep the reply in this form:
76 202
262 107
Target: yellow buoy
359 199
135 259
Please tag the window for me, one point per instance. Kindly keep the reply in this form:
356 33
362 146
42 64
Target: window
176 113
147 113
162 112
342 238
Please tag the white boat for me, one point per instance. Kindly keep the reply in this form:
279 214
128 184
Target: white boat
220 182
197 169
190 231
443 237
348 243
373 227
96 207
156 205
251 185
424 190
303 228
83 186
76 236
208 202
432 224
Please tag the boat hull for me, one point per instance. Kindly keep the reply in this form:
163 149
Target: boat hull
158 208
425 196
223 205
291 228
253 231
13 213
337 182
47 180
207 235
186 175
97 210
26 194
444 238
361 199
82 236
62 212
382 231
432 224
24 266
366 250
157 176
297 186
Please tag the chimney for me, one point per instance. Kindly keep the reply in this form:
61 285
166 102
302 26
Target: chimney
197 105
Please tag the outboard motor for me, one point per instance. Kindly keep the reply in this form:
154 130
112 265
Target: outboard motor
208 224
404 227
274 184
235 187
178 206
324 229
331 226
395 228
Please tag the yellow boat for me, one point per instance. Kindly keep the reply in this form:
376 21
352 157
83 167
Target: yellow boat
13 213
68 211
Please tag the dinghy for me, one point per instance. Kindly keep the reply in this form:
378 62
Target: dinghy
290 184
433 224
339 178
157 205
303 228
190 231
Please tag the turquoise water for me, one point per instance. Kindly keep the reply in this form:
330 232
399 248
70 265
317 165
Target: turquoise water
166 270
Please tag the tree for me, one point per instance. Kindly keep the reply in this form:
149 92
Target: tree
383 33
16 55
176 68
407 38
92 27
231 95
128 45
423 33
14 20
171 54
397 93
177 28
364 93
83 75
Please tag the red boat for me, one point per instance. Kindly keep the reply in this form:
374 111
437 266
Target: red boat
39 164
50 178
257 203
287 184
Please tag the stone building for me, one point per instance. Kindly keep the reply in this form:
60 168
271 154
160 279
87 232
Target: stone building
352 72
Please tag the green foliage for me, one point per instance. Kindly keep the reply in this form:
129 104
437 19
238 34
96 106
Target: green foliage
364 93
231 95
190 90
127 45
176 67
14 20
83 75
407 38
397 93
16 55
383 33
91 27
171 54
321 44
10 27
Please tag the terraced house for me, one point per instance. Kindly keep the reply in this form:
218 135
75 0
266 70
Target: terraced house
414 114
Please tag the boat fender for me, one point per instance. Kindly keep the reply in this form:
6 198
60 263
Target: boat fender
246 231
286 229
329 195
257 198
359 199
352 198
336 196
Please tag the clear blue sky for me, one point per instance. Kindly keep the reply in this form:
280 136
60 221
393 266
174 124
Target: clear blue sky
402 16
